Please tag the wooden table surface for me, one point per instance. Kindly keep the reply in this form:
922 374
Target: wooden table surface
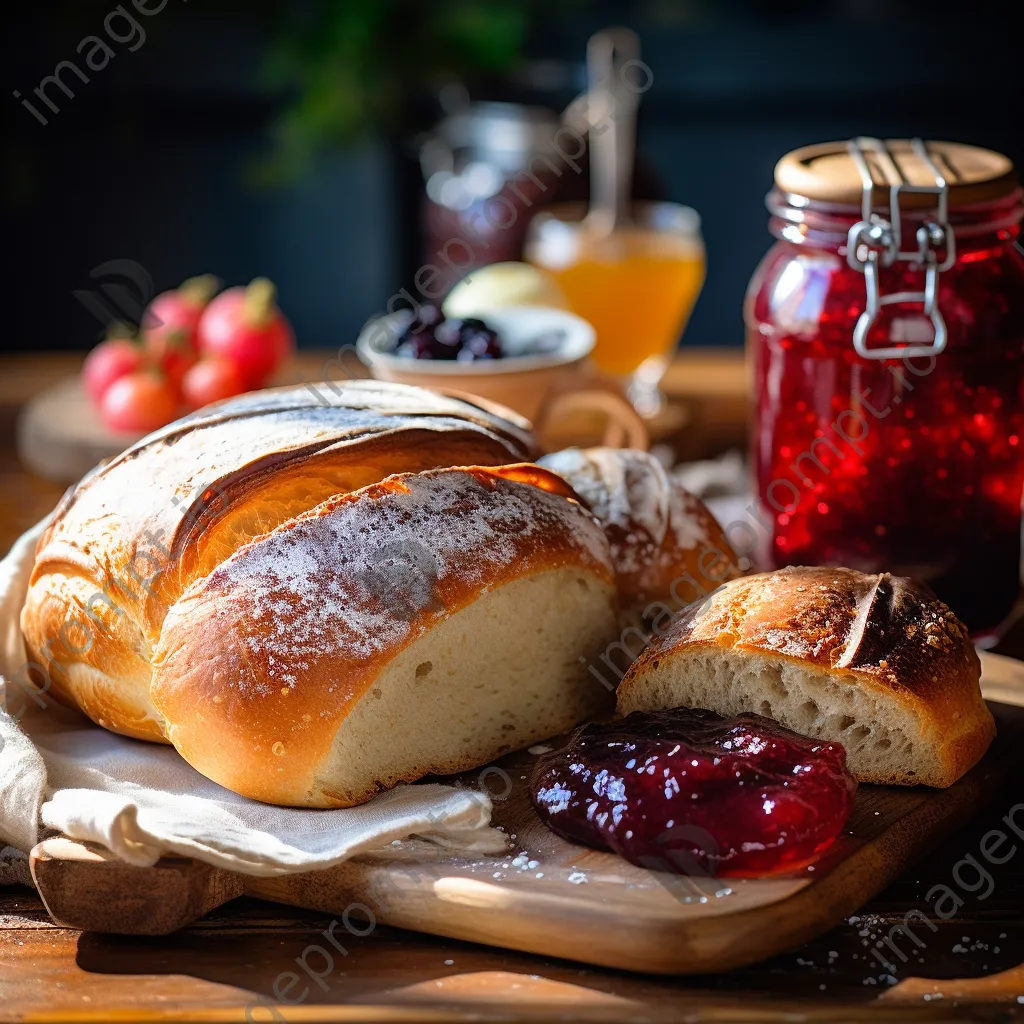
970 967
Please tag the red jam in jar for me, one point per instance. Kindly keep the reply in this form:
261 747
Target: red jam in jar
690 792
914 463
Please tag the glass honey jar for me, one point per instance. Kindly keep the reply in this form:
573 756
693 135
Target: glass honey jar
885 328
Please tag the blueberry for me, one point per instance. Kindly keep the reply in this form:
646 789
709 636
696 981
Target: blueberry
482 344
422 323
416 346
449 332
425 319
475 353
487 343
429 316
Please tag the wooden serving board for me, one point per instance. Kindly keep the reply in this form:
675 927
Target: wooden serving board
60 435
550 897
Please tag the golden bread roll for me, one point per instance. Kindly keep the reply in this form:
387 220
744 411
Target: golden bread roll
876 663
667 547
425 624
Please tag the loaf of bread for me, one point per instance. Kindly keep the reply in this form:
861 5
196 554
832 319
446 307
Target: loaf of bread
130 538
667 547
876 663
285 588
425 624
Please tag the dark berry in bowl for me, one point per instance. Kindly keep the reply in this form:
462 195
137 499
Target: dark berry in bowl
449 332
430 336
429 316
480 344
415 346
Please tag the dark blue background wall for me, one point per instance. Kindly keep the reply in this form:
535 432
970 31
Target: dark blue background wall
150 161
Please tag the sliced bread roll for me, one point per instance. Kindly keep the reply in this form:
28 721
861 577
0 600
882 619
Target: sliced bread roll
876 663
425 624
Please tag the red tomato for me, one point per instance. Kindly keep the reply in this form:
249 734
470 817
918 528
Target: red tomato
107 362
171 319
210 380
174 359
138 403
245 326
169 326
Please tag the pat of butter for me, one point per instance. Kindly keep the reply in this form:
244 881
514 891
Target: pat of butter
500 285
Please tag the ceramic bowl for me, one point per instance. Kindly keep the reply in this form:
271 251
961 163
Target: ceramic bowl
521 379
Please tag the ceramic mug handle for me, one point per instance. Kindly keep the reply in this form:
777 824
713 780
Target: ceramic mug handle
623 427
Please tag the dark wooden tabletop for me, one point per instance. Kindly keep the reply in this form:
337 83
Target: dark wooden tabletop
970 967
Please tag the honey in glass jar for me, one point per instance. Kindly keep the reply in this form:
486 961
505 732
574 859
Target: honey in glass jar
637 285
886 332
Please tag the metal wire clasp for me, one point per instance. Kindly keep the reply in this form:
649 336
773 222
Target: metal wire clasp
875 242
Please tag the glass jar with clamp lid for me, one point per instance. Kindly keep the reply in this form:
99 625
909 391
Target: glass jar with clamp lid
886 331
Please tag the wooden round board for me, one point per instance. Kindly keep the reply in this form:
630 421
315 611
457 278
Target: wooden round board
550 897
60 435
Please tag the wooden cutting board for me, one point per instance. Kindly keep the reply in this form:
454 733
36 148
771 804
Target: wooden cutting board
550 897
60 435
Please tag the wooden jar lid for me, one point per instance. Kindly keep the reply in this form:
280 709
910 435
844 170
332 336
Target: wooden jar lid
827 173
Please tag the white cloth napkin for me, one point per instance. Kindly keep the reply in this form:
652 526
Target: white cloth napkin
139 800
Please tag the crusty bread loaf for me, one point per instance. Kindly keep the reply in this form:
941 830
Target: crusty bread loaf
133 535
666 546
286 589
876 663
425 624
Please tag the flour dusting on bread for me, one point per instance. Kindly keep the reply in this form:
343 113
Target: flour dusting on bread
320 583
660 534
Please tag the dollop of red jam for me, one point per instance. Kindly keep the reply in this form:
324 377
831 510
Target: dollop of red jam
691 792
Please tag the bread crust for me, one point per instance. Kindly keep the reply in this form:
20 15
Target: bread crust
137 531
665 543
888 634
260 663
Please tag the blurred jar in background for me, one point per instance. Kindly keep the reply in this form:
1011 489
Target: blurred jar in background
886 332
488 169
